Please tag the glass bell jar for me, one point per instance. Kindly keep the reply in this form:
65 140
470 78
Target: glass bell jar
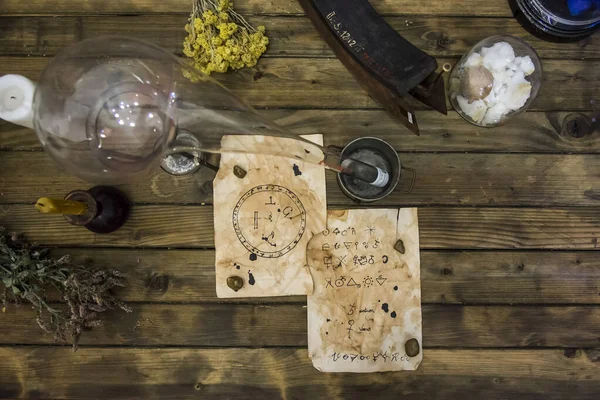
110 109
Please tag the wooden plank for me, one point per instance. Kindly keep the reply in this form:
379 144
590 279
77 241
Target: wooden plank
325 83
509 277
36 35
446 277
50 372
440 228
273 7
228 325
529 132
296 36
441 179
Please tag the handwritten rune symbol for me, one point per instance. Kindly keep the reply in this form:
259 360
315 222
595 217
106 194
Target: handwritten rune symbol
368 282
287 211
381 280
370 230
271 202
394 357
352 282
268 239
362 260
352 309
328 280
350 323
257 230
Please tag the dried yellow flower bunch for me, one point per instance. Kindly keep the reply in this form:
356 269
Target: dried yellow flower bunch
219 38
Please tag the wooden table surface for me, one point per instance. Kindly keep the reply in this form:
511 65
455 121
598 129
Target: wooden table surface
509 222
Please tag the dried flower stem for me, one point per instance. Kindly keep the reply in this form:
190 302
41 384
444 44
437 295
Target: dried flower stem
26 272
220 38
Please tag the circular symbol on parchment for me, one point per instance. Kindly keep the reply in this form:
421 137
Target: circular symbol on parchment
269 220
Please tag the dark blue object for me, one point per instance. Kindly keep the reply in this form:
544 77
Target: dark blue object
578 7
558 20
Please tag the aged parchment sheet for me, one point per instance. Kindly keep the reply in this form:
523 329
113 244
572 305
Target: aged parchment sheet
264 220
366 302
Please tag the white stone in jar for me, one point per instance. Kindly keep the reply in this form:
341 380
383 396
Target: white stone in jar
498 57
525 64
508 91
475 110
494 114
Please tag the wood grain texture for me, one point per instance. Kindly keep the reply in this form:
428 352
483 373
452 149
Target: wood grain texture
325 83
232 325
530 132
518 302
441 179
447 277
288 36
49 372
440 228
510 277
254 325
273 7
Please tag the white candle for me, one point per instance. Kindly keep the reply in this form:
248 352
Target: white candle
16 100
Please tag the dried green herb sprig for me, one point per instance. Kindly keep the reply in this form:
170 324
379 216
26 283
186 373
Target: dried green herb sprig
27 272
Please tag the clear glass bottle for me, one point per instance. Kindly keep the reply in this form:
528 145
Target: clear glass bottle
109 109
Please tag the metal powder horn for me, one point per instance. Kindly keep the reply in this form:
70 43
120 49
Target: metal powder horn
387 66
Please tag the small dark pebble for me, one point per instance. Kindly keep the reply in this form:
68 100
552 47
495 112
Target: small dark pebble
239 172
399 246
412 347
235 283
